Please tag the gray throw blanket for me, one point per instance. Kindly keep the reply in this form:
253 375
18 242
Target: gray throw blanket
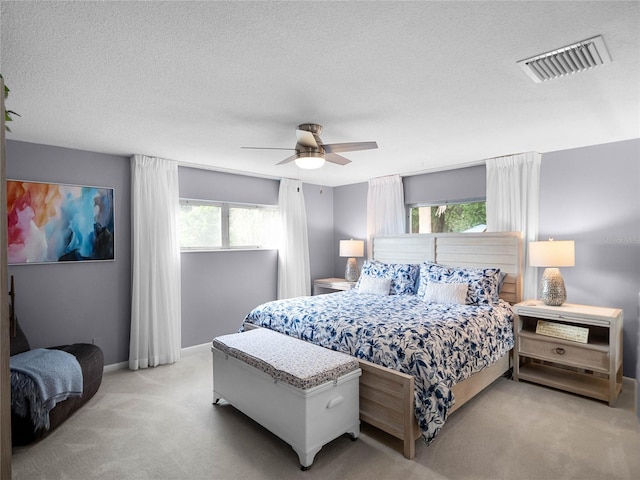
41 378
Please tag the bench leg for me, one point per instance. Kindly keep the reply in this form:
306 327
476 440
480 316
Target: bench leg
306 458
354 431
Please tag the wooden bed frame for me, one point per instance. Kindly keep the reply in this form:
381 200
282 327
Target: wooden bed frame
387 396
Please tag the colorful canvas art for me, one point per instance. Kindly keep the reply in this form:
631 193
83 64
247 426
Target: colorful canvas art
49 222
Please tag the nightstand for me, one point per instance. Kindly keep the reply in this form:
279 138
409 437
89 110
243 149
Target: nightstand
563 361
331 285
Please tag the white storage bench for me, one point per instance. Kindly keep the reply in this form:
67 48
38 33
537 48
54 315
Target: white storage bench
305 394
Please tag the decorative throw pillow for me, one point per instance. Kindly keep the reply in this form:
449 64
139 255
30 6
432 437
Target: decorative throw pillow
483 282
374 285
447 293
403 276
423 278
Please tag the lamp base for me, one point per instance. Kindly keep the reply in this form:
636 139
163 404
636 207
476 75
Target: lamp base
552 291
351 273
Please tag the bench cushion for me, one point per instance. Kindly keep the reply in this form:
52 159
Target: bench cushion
286 359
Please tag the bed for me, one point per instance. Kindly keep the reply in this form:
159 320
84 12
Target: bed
421 360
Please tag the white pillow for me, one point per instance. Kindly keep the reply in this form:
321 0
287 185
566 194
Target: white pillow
374 285
447 293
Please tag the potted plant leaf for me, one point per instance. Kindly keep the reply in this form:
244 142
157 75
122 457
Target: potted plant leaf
7 113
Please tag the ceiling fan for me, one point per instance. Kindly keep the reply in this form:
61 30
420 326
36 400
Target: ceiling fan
311 152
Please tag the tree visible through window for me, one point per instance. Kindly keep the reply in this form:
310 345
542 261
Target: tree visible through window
253 227
211 226
200 226
457 217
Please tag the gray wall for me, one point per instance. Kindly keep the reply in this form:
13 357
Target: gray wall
349 221
220 287
590 195
319 205
76 302
459 185
226 187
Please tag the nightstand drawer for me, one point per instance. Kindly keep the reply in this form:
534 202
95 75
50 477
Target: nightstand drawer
578 356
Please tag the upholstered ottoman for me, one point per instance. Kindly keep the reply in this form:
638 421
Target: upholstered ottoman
305 394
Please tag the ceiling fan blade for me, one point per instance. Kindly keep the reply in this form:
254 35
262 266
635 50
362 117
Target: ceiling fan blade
349 147
268 148
306 139
335 158
287 160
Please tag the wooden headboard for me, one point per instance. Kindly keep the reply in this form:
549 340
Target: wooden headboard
501 250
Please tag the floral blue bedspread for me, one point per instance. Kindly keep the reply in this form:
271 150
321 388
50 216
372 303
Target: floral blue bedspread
440 345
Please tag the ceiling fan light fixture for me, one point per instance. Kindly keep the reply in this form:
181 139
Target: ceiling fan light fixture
310 149
310 160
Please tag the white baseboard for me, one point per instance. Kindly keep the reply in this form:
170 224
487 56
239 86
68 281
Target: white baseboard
185 352
115 366
203 347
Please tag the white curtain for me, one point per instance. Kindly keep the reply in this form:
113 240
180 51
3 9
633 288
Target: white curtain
385 207
294 276
513 191
155 304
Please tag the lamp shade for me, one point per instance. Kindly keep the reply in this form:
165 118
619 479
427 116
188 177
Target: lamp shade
310 160
352 248
552 253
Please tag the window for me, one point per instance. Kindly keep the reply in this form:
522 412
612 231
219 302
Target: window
214 226
200 225
253 226
451 217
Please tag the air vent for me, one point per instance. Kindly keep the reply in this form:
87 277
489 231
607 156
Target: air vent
566 60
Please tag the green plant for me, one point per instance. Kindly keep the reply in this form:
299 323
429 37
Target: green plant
7 113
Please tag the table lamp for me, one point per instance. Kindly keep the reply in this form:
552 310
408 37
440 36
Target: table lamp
552 254
352 249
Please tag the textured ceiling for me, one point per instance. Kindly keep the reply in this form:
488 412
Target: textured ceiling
436 84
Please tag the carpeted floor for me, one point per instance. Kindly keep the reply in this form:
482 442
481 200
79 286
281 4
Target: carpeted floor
160 424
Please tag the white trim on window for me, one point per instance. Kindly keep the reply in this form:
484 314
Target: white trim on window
225 235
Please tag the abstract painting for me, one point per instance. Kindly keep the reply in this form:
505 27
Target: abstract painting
50 222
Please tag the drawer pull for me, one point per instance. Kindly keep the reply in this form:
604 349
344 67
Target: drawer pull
560 351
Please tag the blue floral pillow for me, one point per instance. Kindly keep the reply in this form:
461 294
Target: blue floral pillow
423 279
403 276
483 282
